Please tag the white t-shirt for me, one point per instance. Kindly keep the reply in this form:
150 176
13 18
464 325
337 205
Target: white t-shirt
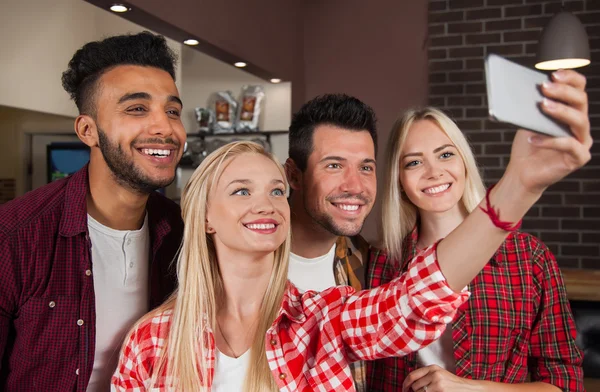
120 265
312 274
440 352
230 372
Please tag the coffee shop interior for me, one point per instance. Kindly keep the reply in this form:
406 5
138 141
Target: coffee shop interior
392 54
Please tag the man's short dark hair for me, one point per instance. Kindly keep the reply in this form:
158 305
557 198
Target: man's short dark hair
95 58
339 110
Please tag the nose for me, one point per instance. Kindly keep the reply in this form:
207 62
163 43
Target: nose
263 205
352 183
434 171
161 125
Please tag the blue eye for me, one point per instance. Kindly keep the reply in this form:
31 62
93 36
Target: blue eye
412 163
278 192
242 192
447 155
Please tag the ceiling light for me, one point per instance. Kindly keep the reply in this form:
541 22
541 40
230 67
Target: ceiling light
563 44
119 8
275 80
240 64
191 42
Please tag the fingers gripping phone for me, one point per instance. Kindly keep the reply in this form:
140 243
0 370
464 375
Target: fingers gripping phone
514 96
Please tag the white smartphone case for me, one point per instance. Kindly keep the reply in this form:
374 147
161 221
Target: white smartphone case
514 96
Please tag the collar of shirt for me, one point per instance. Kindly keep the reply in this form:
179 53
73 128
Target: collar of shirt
291 306
74 216
351 253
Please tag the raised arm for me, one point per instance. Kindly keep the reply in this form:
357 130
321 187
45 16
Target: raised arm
536 162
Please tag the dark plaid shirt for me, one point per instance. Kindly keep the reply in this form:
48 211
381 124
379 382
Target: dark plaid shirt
517 323
351 255
47 306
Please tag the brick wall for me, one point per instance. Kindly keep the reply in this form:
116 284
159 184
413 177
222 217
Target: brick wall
461 33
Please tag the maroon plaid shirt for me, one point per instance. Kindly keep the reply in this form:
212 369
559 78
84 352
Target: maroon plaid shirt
517 322
47 307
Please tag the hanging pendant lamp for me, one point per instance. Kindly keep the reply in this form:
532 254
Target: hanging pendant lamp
563 44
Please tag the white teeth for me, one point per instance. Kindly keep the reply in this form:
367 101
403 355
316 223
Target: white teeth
156 152
348 207
436 189
260 226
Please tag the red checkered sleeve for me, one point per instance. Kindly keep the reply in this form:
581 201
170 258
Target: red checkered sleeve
554 357
402 316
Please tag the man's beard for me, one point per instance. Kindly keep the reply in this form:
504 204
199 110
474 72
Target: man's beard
124 169
327 222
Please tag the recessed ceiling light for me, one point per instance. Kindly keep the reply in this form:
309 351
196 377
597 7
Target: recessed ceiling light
275 80
191 42
240 64
119 8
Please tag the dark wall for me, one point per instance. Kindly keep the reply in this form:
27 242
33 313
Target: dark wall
373 50
266 34
462 32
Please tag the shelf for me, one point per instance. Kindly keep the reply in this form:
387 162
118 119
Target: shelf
188 161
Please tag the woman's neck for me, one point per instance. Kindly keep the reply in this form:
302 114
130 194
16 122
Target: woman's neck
434 226
245 280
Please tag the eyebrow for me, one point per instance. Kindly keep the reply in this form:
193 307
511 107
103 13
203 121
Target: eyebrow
246 181
420 154
332 158
336 158
143 95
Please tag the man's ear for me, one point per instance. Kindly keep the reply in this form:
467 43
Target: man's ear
86 130
293 174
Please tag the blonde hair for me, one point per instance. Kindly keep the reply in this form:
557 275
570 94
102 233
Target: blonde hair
399 214
194 304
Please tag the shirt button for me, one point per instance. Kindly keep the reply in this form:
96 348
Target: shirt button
77 372
129 242
130 265
52 304
88 272
282 376
435 319
273 342
80 322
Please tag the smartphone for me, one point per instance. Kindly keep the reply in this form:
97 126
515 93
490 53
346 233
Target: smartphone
514 96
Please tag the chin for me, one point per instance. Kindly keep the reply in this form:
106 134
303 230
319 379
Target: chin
263 250
162 182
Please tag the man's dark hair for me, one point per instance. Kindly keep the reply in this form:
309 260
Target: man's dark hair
95 58
339 110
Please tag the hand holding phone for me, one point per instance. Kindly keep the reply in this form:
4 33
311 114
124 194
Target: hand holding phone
514 96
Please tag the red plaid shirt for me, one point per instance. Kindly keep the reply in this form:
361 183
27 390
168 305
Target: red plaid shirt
47 306
316 335
517 323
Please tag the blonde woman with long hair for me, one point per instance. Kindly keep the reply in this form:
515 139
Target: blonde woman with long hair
233 298
517 322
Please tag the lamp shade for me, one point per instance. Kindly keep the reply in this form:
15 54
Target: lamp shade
563 44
